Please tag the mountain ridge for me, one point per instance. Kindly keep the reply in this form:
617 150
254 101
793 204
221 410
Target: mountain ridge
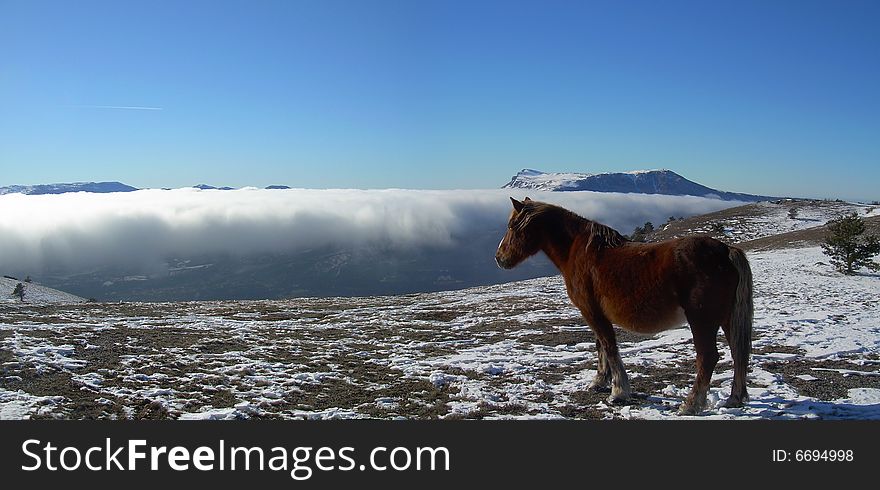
98 188
64 188
658 181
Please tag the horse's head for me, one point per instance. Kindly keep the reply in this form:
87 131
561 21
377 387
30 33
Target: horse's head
521 240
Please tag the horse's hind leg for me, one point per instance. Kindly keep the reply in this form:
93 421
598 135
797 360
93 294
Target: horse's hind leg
707 357
603 370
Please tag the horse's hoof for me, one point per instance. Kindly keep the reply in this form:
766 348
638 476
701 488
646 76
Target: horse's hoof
688 408
618 400
599 388
733 402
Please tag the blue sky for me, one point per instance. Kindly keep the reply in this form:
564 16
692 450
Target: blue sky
767 97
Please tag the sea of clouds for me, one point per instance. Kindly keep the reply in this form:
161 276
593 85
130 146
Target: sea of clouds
78 231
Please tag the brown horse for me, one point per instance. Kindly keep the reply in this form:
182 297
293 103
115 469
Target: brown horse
644 288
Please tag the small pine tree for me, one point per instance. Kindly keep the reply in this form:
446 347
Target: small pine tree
640 233
848 249
19 291
28 279
792 213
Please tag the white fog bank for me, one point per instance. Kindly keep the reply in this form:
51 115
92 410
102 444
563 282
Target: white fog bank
81 230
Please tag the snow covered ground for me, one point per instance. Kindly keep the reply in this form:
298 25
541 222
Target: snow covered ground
517 350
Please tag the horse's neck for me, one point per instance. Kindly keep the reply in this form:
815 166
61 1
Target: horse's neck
561 238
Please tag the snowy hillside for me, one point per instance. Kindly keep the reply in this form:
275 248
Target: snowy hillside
34 293
517 350
764 219
639 181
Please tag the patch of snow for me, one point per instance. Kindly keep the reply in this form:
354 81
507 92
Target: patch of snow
18 405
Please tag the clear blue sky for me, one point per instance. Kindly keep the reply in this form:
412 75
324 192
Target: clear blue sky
766 97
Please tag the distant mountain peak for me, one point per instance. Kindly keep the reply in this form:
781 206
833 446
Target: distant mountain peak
657 181
64 188
529 172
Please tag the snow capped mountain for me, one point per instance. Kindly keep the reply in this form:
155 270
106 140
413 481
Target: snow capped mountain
639 181
96 187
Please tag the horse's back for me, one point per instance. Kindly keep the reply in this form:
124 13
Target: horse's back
697 257
650 287
635 286
701 248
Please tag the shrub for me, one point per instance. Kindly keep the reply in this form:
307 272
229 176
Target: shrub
640 234
848 249
19 291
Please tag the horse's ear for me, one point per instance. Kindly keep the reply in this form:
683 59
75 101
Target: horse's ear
527 199
517 205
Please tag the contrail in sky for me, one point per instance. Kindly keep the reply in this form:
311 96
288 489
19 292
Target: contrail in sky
121 107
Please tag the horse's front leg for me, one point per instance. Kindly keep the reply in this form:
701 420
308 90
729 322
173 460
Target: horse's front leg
620 391
602 380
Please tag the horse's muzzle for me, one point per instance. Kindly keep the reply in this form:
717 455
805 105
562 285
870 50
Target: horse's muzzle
501 263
